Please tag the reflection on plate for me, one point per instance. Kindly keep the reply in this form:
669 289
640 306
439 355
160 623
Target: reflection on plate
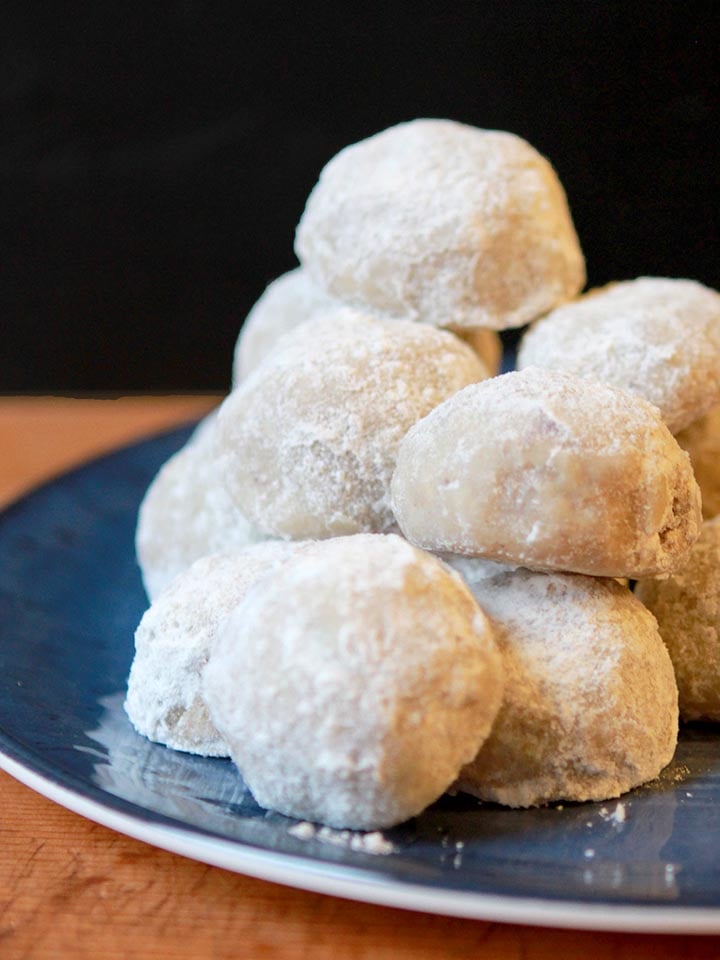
70 598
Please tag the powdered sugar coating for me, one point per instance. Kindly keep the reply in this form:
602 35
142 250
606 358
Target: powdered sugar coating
442 223
187 514
307 444
701 440
286 303
590 703
354 685
687 608
544 470
174 639
657 337
293 299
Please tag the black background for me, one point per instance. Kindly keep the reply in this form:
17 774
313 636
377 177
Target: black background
155 157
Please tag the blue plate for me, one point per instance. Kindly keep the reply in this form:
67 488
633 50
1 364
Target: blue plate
70 598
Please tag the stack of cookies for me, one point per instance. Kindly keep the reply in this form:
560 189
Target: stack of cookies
381 570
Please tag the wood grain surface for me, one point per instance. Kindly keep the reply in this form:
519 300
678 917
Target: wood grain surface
72 889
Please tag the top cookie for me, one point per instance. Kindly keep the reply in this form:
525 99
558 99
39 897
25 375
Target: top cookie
443 223
658 338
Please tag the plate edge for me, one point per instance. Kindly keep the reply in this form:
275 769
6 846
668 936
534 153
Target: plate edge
289 871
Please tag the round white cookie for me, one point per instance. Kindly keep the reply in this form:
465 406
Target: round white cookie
544 470
293 299
174 639
307 444
353 685
687 609
656 337
442 223
590 703
187 514
701 440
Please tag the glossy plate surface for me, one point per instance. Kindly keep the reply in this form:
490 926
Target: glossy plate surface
70 598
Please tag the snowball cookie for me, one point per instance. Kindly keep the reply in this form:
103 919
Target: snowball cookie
354 685
289 301
293 299
187 514
544 470
442 223
307 444
590 703
701 440
658 338
174 639
687 608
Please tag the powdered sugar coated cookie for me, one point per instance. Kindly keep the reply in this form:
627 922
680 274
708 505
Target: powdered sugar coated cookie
657 337
443 223
590 703
174 639
544 470
307 444
353 685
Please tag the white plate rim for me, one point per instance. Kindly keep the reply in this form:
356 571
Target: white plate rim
305 874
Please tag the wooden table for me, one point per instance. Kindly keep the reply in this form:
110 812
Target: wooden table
72 889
